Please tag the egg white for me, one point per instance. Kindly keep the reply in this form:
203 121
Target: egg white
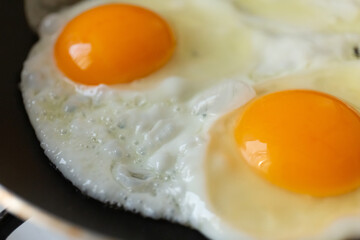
303 15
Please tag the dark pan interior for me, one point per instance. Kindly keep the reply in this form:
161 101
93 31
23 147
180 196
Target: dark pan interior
26 171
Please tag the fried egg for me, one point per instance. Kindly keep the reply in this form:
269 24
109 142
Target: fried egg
136 102
291 170
133 142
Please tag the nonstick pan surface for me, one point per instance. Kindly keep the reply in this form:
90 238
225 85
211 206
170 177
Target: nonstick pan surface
26 172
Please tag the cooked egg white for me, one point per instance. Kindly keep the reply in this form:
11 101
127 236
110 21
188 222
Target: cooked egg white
299 15
340 80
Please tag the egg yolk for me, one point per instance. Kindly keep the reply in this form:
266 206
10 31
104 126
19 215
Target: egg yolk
115 43
304 141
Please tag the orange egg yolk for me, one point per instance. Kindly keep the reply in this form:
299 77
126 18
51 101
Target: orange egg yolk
115 43
304 141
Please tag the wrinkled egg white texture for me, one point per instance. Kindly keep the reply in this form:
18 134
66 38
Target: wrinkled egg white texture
142 145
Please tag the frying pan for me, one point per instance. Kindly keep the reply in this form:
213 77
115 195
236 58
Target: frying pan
28 183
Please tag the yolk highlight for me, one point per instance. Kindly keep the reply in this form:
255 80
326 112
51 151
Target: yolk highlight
115 43
304 141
